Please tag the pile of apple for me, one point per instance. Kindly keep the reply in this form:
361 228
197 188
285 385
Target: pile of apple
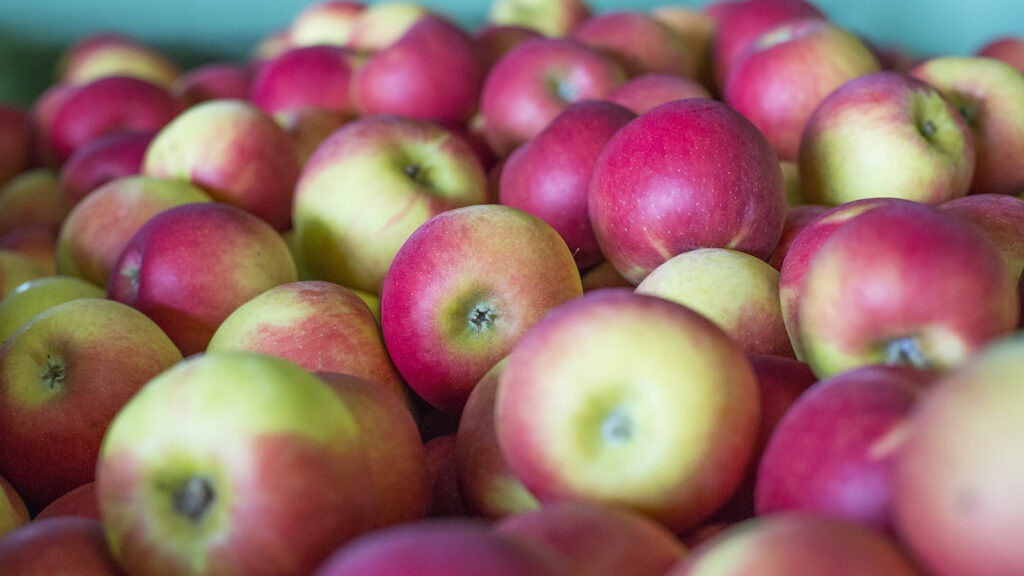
669 292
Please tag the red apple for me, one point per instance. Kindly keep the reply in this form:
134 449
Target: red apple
641 43
101 160
445 499
450 309
67 545
80 502
643 92
15 141
797 218
318 77
190 266
211 81
31 199
494 40
709 179
1009 48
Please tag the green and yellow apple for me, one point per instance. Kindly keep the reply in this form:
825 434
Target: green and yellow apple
40 294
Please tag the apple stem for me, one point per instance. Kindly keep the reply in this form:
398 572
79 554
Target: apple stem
906 352
55 374
194 498
412 170
928 129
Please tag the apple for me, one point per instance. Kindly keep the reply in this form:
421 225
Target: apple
904 283
556 18
235 152
535 80
395 458
101 160
494 40
885 134
488 488
549 174
989 93
66 545
1008 47
80 502
831 451
403 78
41 114
32 198
219 79
13 512
381 24
190 266
955 472
740 22
96 230
450 309
105 105
788 70
654 408
233 463
797 544
38 243
641 43
798 217
736 291
15 140
603 275
103 54
369 186
40 294
324 22
696 28
710 179
643 92
436 546
321 326
318 76
596 539
63 375
445 499
17 268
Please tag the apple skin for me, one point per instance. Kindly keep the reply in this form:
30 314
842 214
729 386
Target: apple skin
905 283
63 375
1008 48
324 22
441 547
17 268
537 79
549 174
104 54
13 511
736 291
190 266
494 40
797 544
606 434
645 91
213 80
798 217
33 198
16 141
885 134
235 152
42 113
403 78
79 502
990 95
381 24
369 186
788 70
105 105
317 76
597 539
640 42
487 486
954 473
709 179
321 326
831 451
101 160
551 18
37 243
96 230
66 545
449 309
445 499
268 476
40 294
696 28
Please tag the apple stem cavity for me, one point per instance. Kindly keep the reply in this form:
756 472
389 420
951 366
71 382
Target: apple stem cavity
617 427
906 352
194 498
482 317
928 129
55 374
412 170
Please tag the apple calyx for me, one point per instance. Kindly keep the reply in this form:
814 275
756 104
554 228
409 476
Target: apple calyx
562 89
906 351
194 498
412 170
617 427
482 317
55 374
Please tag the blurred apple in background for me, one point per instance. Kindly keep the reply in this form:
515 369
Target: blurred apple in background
463 289
211 81
33 198
190 266
629 400
696 29
103 54
369 186
905 283
635 39
598 539
643 92
831 453
324 22
432 72
80 501
13 512
797 544
101 160
537 79
710 180
736 291
95 232
782 75
66 545
38 243
42 112
40 294
553 18
549 174
445 499
494 40
17 268
321 326
1009 48
16 141
235 152
885 134
989 93
380 24
797 218
63 375
233 463
956 471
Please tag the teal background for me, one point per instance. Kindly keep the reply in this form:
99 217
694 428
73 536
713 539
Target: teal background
33 32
